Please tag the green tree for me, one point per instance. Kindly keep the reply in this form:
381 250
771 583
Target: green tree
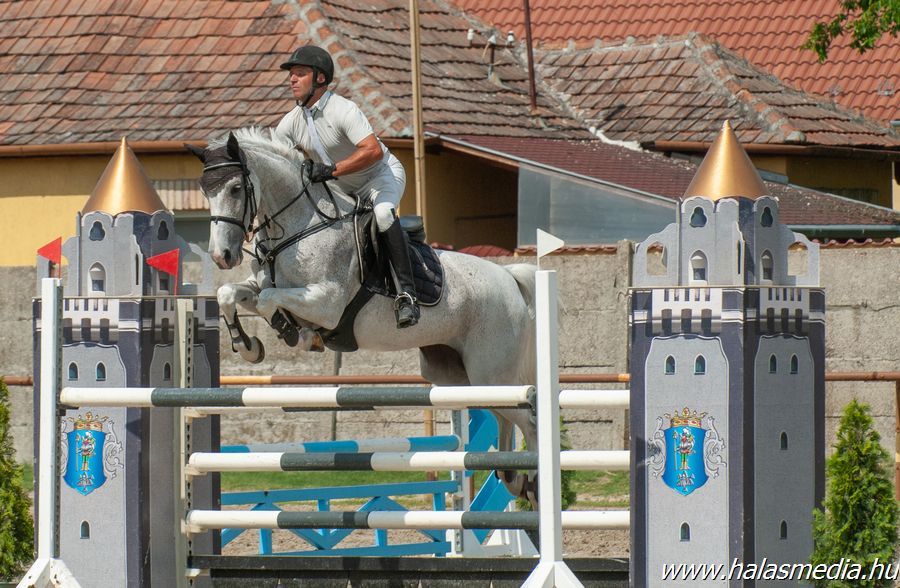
16 530
859 522
866 21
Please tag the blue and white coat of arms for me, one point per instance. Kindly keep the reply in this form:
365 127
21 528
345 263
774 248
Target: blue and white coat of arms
687 452
90 452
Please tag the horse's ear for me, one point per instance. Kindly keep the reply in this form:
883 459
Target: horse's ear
197 151
234 150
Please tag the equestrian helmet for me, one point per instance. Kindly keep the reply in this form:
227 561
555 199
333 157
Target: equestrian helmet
314 57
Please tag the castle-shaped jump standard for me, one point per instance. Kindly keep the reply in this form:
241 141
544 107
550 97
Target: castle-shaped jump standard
119 331
727 380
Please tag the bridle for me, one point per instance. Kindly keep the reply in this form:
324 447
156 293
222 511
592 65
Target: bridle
249 198
263 254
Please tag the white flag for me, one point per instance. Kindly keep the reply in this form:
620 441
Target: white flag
547 243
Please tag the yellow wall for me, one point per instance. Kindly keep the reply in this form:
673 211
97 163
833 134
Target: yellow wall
772 163
839 175
40 196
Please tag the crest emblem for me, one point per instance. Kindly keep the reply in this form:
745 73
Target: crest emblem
92 452
686 453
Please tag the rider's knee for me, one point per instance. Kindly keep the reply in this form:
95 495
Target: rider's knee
384 215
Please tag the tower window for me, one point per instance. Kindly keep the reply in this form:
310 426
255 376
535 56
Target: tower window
783 531
765 262
101 372
766 218
98 278
137 270
773 364
795 364
85 530
784 441
162 233
167 371
698 218
698 267
700 366
685 532
73 371
97 233
740 260
670 365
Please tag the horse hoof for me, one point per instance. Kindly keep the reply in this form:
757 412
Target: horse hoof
256 353
317 345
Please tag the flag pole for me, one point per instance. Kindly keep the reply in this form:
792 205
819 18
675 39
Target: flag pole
418 126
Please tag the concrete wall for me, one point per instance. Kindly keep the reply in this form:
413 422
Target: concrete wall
862 289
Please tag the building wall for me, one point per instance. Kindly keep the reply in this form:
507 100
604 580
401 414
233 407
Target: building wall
860 179
54 189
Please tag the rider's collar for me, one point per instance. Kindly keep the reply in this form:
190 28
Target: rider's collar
321 102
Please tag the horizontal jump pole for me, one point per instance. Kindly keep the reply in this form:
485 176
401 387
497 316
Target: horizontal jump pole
594 398
393 444
198 521
203 463
450 397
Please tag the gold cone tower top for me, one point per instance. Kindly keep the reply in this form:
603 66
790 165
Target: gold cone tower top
726 171
124 187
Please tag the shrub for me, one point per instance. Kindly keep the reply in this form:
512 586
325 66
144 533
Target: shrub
16 530
859 523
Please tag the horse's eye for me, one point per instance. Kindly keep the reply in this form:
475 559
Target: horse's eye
236 189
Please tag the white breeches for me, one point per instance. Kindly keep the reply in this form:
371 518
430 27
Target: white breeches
386 190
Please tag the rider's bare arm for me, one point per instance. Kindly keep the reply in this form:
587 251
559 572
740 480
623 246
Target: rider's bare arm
368 151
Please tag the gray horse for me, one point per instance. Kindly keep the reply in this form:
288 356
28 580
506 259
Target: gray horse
480 333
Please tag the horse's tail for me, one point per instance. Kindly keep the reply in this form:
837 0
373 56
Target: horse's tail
524 276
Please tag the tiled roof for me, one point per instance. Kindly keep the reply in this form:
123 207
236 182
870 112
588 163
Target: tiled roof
769 33
665 176
95 70
681 89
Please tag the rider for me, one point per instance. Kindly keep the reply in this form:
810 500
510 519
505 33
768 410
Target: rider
335 134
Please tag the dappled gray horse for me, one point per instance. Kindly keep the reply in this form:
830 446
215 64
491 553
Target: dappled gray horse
480 333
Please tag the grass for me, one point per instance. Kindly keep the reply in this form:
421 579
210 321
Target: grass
594 489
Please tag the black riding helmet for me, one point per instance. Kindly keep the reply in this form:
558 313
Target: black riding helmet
316 58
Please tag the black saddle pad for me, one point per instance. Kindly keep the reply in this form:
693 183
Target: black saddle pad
427 270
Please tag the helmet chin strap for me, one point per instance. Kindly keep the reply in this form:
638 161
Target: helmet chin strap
312 90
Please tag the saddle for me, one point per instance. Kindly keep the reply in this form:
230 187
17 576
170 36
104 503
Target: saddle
375 274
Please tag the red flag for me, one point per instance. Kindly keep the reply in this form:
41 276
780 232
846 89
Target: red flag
166 262
52 250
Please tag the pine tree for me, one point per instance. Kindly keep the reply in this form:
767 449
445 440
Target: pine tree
16 530
859 522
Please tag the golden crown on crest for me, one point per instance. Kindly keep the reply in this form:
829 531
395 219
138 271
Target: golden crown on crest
686 418
89 422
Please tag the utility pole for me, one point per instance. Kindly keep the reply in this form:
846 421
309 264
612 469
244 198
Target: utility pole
418 127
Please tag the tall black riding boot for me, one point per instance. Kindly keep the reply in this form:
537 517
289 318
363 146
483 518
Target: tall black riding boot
406 307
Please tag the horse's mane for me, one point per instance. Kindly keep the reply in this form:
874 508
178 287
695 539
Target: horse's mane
262 140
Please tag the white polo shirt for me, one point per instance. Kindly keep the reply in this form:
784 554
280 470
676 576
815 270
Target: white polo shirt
341 125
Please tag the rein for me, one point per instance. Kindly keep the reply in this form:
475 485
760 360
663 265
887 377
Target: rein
263 254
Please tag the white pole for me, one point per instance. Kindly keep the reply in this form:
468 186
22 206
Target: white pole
47 570
551 570
51 381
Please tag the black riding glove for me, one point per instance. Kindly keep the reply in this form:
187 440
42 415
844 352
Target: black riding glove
320 172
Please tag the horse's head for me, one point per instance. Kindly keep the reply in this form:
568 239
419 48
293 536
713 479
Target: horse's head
232 204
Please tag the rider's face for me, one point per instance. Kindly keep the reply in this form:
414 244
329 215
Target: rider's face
301 79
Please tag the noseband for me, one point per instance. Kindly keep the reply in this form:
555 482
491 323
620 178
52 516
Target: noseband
245 223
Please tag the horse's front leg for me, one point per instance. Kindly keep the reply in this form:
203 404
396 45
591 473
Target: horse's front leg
246 295
315 304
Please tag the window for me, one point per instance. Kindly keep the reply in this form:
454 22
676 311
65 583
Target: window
773 364
795 364
163 232
740 259
163 283
73 371
698 267
85 530
766 218
685 532
167 372
783 530
137 270
784 441
670 365
101 372
698 218
97 233
98 278
765 263
700 366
